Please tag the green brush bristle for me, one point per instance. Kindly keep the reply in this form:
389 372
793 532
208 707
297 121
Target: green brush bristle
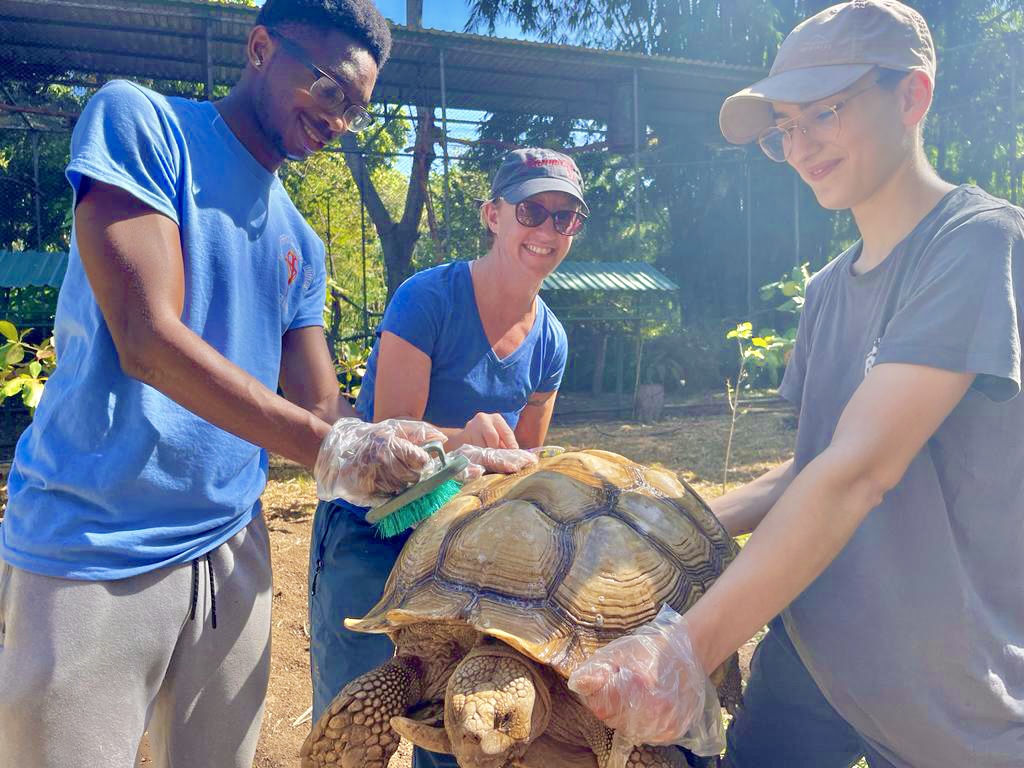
416 511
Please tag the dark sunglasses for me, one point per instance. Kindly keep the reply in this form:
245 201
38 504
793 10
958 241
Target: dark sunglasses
567 222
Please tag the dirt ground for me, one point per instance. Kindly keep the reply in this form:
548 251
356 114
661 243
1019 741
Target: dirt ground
693 447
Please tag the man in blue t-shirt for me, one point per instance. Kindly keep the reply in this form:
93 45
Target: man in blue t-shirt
134 566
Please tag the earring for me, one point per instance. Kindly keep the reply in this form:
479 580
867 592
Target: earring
258 63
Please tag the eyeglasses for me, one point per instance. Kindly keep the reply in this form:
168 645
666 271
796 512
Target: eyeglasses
327 91
533 214
820 124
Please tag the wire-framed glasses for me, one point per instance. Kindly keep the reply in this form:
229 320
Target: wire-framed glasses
817 123
326 90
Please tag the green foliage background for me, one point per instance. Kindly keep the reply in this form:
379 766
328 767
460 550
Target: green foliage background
694 201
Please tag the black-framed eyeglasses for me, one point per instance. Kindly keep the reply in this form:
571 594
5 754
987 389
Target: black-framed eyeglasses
326 90
566 222
819 123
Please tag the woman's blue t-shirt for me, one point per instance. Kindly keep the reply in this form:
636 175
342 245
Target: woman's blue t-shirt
435 311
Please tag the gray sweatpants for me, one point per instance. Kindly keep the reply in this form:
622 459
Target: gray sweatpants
87 666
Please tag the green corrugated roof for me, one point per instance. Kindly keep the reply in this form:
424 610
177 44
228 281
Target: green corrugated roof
19 269
607 276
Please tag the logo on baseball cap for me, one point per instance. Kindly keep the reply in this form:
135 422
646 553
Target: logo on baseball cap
526 172
827 53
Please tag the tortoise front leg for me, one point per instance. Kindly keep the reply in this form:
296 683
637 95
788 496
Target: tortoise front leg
355 730
612 752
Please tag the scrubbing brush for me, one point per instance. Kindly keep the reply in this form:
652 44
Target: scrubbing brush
421 500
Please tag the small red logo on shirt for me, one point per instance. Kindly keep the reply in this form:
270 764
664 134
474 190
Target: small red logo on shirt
293 266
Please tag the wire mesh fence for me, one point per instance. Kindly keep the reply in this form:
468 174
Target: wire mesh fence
719 221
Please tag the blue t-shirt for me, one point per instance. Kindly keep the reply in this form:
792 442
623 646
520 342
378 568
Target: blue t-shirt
112 478
435 311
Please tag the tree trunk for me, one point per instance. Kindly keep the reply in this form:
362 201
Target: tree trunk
397 238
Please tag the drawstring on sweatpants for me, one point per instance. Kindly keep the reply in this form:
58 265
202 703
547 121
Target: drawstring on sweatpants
195 590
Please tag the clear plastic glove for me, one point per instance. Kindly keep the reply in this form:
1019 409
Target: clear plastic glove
365 464
504 461
649 687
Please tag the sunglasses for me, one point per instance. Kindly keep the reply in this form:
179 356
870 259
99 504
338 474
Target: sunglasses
566 222
326 90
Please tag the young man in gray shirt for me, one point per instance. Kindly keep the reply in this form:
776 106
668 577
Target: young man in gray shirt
890 550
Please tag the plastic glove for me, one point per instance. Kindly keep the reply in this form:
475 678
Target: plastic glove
649 687
503 461
364 463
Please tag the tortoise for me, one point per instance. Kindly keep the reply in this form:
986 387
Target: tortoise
502 593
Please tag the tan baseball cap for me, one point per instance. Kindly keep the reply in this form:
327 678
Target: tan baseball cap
827 53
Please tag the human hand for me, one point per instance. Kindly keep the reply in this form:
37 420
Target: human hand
650 687
488 430
503 461
363 463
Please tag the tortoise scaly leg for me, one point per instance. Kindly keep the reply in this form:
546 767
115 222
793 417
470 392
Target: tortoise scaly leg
355 730
578 725
613 752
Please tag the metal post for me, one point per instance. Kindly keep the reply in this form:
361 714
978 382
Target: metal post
796 220
362 241
750 243
639 362
444 151
37 193
620 355
636 156
1012 149
208 55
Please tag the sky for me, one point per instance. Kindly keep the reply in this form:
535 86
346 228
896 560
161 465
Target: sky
439 14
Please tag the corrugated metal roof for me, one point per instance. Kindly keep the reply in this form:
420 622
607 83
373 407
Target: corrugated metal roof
19 269
175 40
607 276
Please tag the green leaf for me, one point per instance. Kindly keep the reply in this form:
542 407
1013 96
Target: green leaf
32 392
8 330
741 331
13 387
34 368
15 354
757 341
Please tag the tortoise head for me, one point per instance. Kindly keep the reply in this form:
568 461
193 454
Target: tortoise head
496 704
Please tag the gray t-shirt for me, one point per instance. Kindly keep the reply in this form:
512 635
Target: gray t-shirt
915 633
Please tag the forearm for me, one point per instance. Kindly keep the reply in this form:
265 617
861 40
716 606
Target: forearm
808 527
534 420
181 365
741 510
334 409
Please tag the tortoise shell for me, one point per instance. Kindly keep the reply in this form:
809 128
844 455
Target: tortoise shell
557 560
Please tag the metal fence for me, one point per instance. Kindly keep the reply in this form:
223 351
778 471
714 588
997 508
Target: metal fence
719 221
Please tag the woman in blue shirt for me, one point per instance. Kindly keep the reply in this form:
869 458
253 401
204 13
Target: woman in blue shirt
471 348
